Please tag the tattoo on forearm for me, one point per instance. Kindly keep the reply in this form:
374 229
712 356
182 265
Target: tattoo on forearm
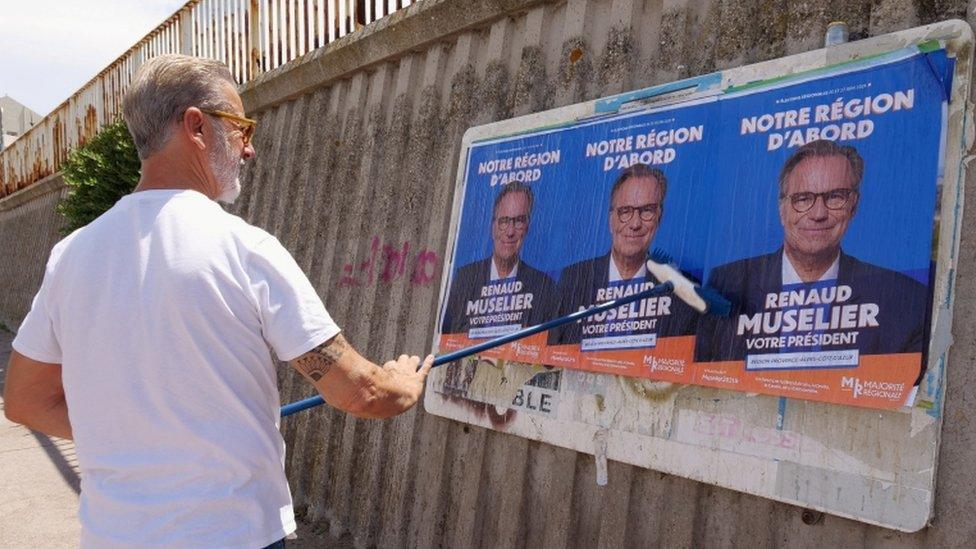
317 362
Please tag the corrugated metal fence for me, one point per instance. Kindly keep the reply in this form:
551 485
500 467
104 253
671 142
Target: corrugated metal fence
250 36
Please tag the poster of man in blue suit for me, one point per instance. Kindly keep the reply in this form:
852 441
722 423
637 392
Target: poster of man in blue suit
501 293
636 204
810 295
812 203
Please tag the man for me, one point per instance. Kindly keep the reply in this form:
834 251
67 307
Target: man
147 342
501 292
636 209
832 300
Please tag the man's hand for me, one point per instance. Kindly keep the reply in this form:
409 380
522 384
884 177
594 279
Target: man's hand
404 373
353 384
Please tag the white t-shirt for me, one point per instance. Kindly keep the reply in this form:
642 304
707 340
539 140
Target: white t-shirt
161 312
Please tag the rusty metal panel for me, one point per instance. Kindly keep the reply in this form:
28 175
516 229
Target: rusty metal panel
250 36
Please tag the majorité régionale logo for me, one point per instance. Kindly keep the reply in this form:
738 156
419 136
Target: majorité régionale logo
673 365
871 388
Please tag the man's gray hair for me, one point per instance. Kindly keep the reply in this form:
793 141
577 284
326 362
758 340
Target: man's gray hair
162 90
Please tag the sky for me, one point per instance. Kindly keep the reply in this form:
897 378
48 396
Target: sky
50 48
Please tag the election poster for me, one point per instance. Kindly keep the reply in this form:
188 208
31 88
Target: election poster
811 203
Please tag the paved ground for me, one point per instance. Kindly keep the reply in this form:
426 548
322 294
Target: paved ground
39 480
39 500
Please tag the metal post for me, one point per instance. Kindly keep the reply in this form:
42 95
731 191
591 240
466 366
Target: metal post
186 31
254 39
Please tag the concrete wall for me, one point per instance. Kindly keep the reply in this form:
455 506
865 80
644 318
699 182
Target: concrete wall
357 153
29 228
358 147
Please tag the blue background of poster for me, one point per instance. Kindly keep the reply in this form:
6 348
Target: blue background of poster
722 201
570 216
893 225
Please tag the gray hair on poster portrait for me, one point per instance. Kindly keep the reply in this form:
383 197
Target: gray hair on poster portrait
640 170
514 188
821 148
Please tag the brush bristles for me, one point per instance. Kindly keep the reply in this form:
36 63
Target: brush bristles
662 257
717 304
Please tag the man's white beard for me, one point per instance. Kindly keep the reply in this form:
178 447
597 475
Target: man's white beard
226 170
230 192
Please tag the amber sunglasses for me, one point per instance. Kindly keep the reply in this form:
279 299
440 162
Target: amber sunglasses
245 125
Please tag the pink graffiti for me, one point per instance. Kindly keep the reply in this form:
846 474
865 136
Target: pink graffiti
395 259
367 266
425 269
395 262
348 279
731 427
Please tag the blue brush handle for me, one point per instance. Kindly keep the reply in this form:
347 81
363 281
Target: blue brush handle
667 287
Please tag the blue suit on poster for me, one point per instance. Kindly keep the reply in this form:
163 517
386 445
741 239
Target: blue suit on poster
586 283
530 295
902 311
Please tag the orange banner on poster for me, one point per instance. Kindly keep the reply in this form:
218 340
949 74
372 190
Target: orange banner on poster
879 381
530 349
669 360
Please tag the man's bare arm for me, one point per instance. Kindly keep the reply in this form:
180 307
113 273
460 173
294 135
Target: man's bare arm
352 383
34 396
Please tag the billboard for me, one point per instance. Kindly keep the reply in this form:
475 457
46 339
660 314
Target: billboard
811 203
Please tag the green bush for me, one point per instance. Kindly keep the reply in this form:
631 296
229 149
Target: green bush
98 174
